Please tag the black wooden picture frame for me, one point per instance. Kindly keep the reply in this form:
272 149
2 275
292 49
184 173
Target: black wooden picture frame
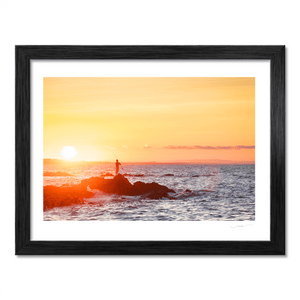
25 246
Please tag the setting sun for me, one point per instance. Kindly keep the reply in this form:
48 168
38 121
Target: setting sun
187 142
157 119
69 152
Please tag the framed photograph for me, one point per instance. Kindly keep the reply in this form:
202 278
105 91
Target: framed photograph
157 150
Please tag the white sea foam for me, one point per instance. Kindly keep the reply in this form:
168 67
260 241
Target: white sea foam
203 193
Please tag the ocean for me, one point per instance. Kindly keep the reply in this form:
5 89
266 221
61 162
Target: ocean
202 192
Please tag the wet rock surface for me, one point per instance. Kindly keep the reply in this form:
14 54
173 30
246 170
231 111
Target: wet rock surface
65 195
121 186
106 174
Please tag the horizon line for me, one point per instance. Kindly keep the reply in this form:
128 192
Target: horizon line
209 161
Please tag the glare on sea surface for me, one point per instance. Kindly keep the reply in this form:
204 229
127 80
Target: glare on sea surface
68 152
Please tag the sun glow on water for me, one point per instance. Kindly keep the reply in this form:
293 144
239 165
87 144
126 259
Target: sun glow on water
68 152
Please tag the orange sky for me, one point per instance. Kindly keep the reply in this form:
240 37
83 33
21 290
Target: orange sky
150 119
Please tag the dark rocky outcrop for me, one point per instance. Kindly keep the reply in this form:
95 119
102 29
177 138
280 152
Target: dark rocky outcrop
121 186
106 174
157 194
63 196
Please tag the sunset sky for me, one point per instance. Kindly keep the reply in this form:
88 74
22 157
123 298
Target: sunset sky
150 119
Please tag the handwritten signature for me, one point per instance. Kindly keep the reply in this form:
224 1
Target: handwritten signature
237 226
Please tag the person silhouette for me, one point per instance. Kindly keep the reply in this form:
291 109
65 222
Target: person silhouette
117 166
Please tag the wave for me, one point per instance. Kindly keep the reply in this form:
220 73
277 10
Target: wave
57 174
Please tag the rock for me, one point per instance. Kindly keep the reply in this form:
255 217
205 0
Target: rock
64 196
106 174
118 185
121 186
160 194
142 188
93 182
186 194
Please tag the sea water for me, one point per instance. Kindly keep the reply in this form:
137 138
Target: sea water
203 193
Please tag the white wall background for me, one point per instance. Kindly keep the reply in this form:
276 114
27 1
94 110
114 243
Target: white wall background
66 22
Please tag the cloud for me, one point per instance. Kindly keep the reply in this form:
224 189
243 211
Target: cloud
125 146
178 147
147 147
111 148
239 147
245 147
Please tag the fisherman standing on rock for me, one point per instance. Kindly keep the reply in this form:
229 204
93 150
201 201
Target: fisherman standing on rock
117 166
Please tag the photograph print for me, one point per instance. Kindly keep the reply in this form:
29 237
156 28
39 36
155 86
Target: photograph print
149 149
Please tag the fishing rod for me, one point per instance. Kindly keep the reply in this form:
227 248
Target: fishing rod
114 154
117 159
